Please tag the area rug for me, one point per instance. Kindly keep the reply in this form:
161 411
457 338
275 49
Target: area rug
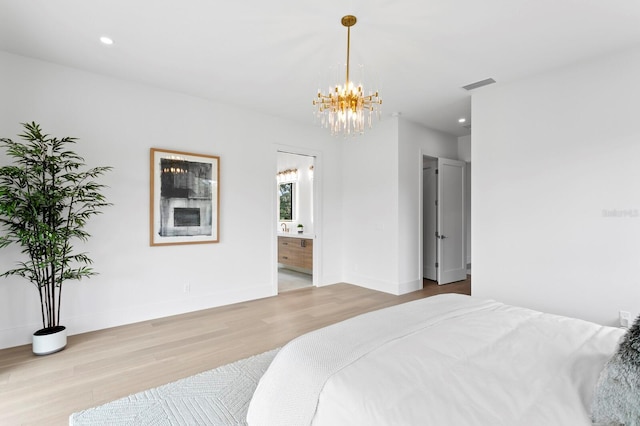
216 397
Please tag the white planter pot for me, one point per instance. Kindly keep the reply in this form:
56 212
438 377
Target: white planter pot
49 340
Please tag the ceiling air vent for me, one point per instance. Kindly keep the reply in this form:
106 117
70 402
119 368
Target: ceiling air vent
480 83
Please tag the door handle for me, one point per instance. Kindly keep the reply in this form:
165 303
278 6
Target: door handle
442 237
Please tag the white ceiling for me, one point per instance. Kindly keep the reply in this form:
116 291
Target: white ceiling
268 55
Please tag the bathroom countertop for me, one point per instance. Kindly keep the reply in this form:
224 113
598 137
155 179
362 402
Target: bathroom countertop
296 235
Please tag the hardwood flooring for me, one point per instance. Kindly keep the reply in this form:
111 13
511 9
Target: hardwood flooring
104 365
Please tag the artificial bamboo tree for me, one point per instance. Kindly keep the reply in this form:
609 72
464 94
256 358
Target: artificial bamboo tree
46 197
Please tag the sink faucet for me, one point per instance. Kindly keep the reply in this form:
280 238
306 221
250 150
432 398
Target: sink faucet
284 227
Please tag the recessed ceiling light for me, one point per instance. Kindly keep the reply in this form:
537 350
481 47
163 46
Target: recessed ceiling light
106 40
462 120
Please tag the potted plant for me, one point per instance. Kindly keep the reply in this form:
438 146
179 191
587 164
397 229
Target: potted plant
46 198
300 228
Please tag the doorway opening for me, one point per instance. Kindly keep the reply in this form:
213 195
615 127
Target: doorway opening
444 220
295 220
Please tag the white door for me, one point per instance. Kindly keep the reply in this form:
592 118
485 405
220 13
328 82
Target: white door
452 264
429 219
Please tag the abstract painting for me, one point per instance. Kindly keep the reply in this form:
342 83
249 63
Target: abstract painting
185 198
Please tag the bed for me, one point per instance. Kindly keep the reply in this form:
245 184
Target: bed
444 360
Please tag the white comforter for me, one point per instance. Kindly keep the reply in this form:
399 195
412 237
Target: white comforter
444 360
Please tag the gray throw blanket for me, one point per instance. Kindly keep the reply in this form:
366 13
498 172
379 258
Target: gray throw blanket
617 395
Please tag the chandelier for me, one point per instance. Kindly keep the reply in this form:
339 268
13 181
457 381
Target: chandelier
345 109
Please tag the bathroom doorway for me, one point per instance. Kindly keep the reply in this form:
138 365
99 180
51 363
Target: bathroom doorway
296 232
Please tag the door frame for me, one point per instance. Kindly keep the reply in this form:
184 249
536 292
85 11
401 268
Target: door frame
420 159
424 153
316 277
422 217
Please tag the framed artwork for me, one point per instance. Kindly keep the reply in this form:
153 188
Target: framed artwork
185 198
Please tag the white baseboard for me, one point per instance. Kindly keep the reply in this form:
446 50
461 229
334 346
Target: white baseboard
409 286
22 335
384 286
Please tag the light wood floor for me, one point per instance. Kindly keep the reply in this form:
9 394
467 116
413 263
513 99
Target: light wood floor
101 366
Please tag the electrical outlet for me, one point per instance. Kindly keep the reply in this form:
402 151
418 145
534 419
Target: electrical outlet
187 288
625 319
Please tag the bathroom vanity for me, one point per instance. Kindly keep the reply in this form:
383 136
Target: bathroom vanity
295 250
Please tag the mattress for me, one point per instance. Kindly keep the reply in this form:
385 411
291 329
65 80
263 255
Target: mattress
444 360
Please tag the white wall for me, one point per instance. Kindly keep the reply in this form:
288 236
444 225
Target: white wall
551 155
116 123
468 213
415 142
381 201
370 207
464 154
464 148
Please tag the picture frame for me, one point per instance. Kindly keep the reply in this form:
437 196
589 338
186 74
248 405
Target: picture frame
184 198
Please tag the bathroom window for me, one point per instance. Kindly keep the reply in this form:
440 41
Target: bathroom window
286 201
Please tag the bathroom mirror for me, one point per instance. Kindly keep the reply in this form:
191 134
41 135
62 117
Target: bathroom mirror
286 201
